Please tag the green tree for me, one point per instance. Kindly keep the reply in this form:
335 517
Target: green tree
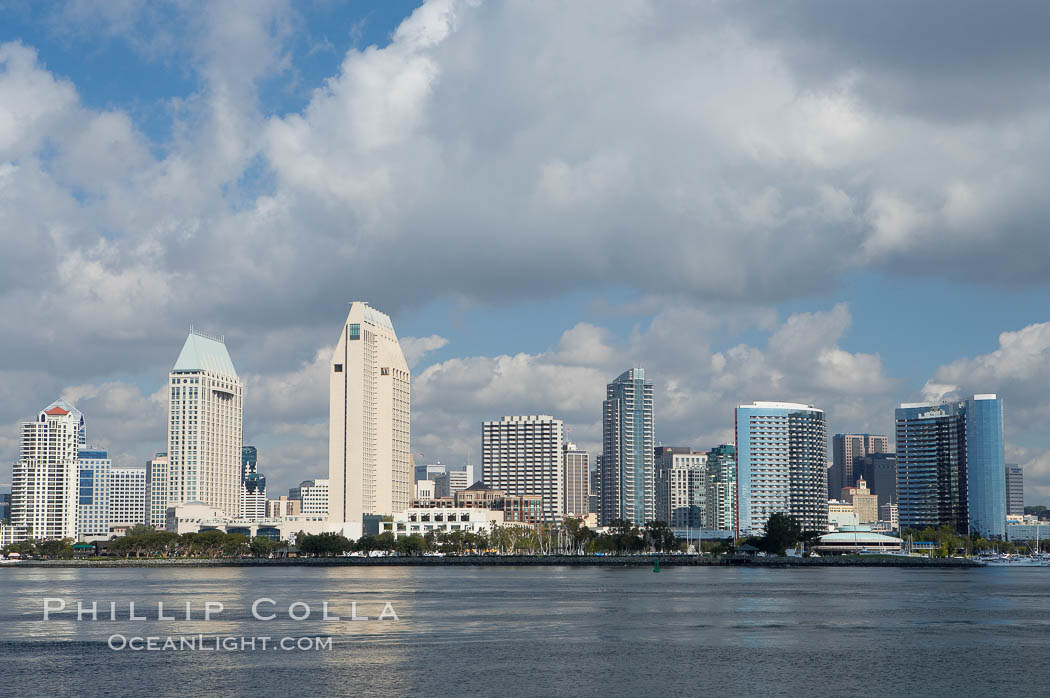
782 532
261 546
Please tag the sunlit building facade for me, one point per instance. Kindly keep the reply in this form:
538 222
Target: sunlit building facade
781 452
369 462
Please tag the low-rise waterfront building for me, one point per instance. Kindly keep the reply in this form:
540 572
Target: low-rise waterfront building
856 539
444 520
194 517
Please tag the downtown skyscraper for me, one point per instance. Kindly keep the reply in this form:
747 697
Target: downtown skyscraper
627 477
845 450
205 421
781 450
369 465
950 465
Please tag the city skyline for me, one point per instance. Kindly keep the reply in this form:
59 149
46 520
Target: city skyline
789 275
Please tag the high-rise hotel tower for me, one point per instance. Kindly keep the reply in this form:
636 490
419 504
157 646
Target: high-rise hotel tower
369 415
205 411
950 468
781 450
44 483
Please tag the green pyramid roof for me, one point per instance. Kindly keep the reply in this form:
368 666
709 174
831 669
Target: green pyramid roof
204 353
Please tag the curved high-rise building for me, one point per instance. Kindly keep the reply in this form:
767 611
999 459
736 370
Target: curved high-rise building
369 466
781 450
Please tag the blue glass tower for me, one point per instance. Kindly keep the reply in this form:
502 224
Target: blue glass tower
950 468
985 466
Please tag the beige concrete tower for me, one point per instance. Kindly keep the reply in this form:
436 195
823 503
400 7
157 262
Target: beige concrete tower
369 415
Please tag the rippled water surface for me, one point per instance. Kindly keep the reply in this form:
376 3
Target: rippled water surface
537 631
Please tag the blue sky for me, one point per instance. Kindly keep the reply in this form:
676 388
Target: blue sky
750 203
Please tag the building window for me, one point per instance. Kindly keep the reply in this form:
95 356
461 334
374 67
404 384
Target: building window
338 368
354 331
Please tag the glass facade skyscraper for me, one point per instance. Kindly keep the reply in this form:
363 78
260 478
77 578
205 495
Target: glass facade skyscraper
627 480
781 465
950 468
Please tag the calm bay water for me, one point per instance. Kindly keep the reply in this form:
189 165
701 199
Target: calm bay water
540 631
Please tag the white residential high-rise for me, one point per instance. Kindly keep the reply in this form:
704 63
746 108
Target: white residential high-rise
369 463
93 471
316 497
205 412
44 496
126 499
522 455
157 484
576 476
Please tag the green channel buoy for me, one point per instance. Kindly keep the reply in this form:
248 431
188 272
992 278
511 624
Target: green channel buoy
656 565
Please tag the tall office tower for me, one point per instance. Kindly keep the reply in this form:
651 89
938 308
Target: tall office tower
369 415
845 450
680 486
781 452
205 415
1014 490
315 497
879 470
950 467
158 483
522 455
720 499
44 492
627 480
5 507
93 470
126 499
253 485
577 471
